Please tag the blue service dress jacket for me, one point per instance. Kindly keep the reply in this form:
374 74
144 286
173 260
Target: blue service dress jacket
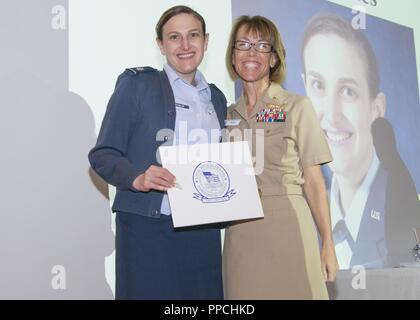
370 248
141 106
385 236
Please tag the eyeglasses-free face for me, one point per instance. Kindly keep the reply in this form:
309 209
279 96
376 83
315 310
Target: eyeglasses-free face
183 43
260 46
339 90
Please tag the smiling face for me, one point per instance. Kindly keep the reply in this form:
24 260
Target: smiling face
336 82
183 43
251 65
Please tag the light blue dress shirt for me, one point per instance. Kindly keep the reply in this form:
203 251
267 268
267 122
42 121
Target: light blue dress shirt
194 111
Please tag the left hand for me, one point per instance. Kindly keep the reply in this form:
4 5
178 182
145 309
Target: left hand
329 263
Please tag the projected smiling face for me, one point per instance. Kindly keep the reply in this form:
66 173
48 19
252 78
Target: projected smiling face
183 43
336 82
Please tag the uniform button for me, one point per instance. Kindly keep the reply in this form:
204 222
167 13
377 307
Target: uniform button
268 131
171 112
165 138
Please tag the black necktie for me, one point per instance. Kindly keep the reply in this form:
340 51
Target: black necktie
341 233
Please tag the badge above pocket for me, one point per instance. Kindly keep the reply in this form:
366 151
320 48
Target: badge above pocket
232 122
182 106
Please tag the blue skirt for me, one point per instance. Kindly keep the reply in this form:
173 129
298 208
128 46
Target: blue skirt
154 261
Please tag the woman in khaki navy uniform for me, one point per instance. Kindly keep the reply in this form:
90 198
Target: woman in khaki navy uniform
277 257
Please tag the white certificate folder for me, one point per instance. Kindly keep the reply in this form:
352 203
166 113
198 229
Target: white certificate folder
214 183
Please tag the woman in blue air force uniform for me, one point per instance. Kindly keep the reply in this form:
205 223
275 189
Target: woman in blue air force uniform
153 260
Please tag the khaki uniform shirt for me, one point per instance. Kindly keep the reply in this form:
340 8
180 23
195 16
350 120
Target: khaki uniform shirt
286 147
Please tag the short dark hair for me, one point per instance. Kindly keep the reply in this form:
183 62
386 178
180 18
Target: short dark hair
174 11
268 31
330 23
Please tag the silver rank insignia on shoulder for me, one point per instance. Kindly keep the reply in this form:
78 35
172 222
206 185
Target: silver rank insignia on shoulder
134 70
137 70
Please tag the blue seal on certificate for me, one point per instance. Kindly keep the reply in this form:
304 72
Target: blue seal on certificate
212 183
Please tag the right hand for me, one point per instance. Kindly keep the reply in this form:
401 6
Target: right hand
156 178
329 263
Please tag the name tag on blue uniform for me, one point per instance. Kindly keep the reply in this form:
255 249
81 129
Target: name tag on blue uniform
180 105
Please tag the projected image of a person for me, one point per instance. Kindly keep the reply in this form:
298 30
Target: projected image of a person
342 79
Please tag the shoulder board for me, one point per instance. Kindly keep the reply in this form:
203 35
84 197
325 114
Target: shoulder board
137 70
